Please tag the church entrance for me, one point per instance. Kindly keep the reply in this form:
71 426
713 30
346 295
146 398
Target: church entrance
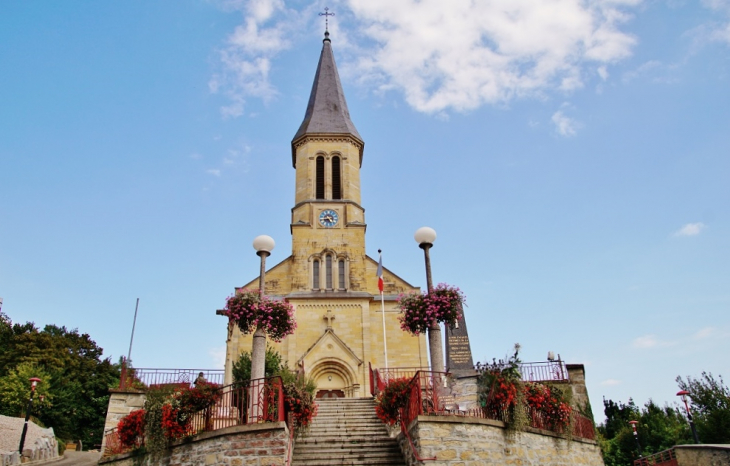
330 394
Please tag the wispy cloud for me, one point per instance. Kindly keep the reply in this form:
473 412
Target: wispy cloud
688 341
440 55
690 229
707 332
610 382
248 52
646 341
719 29
564 125
213 171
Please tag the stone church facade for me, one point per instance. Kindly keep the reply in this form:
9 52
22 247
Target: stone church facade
328 278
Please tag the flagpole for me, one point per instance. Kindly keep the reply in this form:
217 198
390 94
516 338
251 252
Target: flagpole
382 308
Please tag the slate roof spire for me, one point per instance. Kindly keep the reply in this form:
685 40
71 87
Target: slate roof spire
327 113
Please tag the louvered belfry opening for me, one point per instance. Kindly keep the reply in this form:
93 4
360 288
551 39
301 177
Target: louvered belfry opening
336 179
319 181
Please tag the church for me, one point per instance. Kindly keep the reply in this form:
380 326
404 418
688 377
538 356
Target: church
328 278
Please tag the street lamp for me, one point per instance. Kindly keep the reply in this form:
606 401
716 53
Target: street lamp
425 237
263 245
636 436
684 394
33 382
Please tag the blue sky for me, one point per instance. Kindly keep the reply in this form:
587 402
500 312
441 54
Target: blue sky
572 156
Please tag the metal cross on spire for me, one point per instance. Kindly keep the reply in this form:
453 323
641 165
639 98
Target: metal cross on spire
326 14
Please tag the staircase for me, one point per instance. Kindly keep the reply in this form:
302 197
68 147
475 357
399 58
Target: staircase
346 431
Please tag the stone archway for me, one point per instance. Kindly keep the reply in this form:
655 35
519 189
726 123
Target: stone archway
334 378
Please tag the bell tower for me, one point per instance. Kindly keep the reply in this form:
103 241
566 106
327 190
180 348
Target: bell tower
343 325
328 220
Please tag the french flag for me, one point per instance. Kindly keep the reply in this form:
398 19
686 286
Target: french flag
380 273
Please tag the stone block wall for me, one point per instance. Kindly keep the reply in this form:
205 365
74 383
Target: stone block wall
248 445
121 403
462 391
577 376
463 441
702 455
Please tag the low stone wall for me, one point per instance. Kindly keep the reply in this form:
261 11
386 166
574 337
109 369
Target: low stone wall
462 391
464 441
40 443
9 459
121 403
702 455
247 445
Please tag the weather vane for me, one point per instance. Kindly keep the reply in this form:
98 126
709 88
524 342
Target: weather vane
326 19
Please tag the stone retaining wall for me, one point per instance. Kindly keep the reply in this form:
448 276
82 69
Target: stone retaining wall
702 455
464 441
247 445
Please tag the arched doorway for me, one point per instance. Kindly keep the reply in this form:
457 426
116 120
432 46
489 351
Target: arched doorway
334 379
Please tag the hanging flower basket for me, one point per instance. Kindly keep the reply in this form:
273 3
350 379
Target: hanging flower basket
249 311
444 304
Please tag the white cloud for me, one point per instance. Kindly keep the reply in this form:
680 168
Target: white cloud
218 356
442 56
195 156
690 229
249 50
213 171
461 55
718 30
610 382
564 125
689 341
704 333
646 341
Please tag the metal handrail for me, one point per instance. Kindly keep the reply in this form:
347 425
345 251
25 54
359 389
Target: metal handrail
543 371
142 378
662 458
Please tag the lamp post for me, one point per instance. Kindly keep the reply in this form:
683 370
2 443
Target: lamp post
636 436
425 237
684 394
263 245
33 382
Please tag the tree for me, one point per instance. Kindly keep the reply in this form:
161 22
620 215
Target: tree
242 368
658 429
15 390
711 406
78 378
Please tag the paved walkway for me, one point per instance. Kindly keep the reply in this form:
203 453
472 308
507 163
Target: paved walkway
78 458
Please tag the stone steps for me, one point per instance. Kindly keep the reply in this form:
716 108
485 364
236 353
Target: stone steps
346 431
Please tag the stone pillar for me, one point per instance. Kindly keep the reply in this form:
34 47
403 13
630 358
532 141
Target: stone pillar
577 377
121 403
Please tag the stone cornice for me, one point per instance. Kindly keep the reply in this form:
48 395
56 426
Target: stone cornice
295 144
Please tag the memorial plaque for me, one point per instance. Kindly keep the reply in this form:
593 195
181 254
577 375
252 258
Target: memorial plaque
458 350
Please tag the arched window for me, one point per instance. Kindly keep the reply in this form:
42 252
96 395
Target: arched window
319 178
341 274
328 271
315 274
336 179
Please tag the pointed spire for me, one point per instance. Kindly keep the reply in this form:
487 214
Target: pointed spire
327 112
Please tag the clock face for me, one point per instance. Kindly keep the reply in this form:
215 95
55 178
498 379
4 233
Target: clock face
328 218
